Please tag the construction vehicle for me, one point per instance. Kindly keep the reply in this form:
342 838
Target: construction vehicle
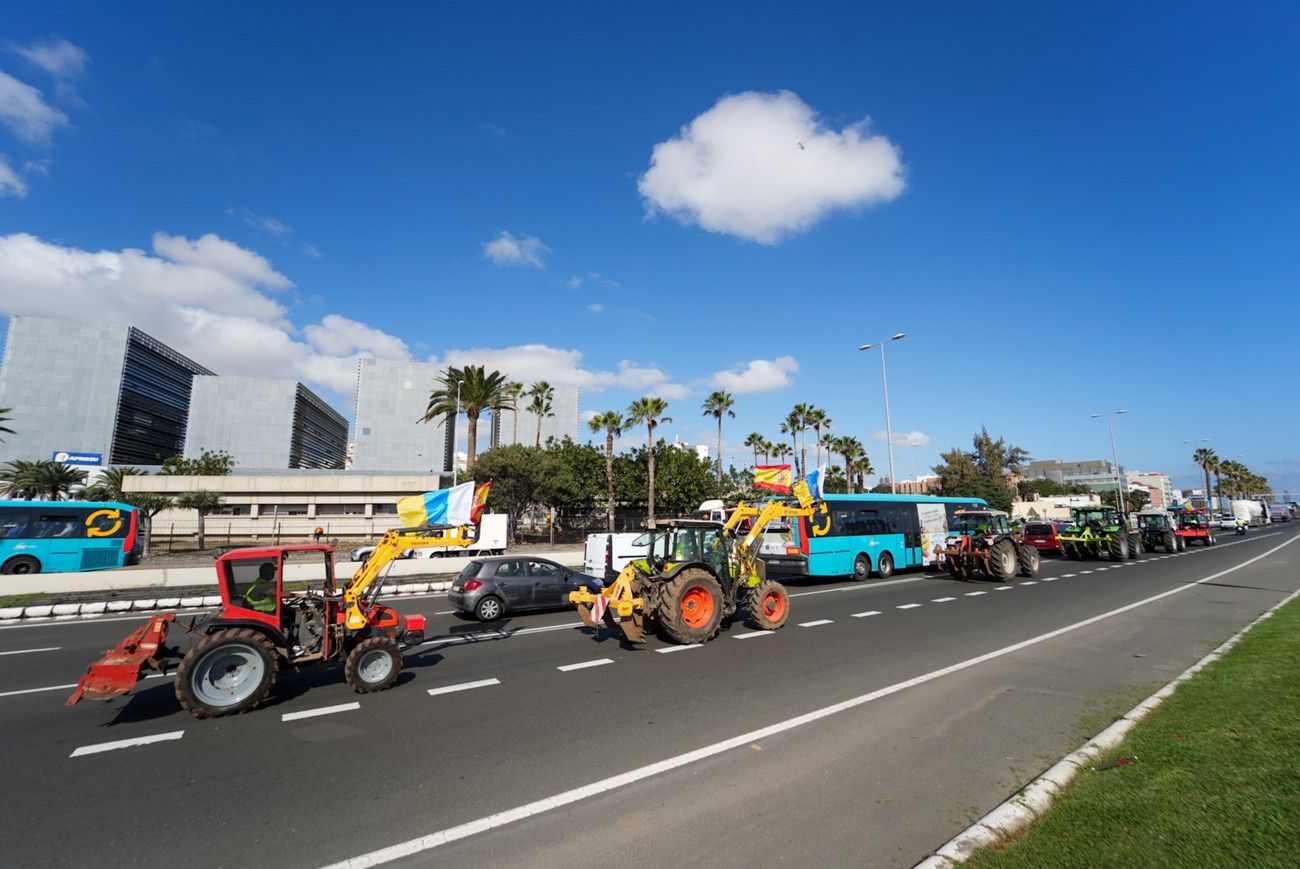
270 622
1096 530
1158 530
982 540
697 573
1195 525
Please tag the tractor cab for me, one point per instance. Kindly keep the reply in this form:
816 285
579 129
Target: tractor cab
1097 518
980 522
678 541
285 588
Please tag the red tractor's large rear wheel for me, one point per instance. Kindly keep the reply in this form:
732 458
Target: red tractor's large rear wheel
227 672
690 609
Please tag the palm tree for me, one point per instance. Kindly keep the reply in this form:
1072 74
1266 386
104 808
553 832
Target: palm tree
818 419
792 425
4 418
16 477
610 422
109 485
478 391
767 448
649 410
755 443
47 480
512 392
1208 460
541 393
718 405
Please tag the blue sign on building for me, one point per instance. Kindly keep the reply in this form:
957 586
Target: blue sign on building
68 458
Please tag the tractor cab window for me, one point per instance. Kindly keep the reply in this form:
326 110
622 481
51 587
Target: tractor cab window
251 583
686 545
715 551
313 571
1152 523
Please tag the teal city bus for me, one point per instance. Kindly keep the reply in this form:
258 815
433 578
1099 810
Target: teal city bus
58 536
869 533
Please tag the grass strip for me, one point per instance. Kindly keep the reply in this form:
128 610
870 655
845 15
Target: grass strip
1217 777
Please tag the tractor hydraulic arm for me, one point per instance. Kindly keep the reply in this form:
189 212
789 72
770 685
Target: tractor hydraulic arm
746 549
392 546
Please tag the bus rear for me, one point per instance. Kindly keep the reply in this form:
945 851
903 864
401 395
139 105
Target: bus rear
67 536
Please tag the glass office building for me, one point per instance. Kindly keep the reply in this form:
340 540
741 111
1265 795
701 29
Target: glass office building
265 424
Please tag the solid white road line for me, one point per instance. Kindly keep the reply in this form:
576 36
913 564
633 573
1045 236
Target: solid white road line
605 785
908 606
324 710
66 687
975 593
585 664
464 686
942 599
752 634
865 614
29 651
816 623
127 743
666 649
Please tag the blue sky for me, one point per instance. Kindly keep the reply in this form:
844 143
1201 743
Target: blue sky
1068 209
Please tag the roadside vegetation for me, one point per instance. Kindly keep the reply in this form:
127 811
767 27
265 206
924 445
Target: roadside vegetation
1216 781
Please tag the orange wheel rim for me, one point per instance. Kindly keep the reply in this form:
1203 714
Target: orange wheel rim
697 607
774 605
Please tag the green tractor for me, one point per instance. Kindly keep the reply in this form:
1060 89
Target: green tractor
1095 531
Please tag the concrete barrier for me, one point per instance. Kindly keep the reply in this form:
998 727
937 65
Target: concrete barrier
123 579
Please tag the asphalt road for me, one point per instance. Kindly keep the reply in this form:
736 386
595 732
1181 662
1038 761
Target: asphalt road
879 722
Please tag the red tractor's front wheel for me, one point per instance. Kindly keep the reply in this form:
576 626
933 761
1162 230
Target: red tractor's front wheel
373 665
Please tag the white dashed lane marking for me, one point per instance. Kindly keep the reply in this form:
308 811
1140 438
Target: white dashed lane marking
942 599
752 634
316 713
908 606
1030 582
1003 588
30 651
127 743
865 614
464 686
565 668
666 649
975 593
814 624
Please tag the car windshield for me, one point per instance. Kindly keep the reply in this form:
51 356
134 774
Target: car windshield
1038 528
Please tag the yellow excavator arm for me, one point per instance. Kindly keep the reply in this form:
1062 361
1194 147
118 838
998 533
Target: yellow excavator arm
749 569
393 544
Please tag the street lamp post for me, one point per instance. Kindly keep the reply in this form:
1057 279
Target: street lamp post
889 423
455 470
1114 456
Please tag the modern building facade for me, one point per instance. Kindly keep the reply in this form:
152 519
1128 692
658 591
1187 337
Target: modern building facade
107 394
1157 485
1096 474
265 424
392 396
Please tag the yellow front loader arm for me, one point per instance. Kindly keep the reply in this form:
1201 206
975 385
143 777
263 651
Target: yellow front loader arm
391 547
749 566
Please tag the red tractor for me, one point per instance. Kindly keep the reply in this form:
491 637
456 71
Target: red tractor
1195 525
280 610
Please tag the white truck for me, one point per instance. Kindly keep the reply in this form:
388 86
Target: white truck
605 554
491 540
1251 512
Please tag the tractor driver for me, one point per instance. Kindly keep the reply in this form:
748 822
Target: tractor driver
261 594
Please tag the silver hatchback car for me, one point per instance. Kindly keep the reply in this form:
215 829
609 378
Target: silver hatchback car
489 588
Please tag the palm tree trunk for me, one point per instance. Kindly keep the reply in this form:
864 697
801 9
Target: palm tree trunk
609 477
650 459
514 417
719 451
755 455
794 451
471 433
537 443
202 538
848 473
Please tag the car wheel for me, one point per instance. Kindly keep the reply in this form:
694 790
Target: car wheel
489 609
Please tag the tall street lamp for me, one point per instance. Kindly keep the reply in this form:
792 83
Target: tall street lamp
1114 456
889 423
455 470
1203 468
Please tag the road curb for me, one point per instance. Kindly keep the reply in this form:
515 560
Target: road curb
13 615
1034 799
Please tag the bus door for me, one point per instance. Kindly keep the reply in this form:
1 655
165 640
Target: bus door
910 524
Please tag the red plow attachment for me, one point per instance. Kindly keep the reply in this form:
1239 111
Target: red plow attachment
123 666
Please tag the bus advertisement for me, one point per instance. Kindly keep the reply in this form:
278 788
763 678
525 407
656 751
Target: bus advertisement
60 536
871 533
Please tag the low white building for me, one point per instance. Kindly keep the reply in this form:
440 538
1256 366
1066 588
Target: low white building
1051 506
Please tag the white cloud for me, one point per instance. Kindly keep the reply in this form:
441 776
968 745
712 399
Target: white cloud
762 166
58 57
533 362
903 438
506 250
11 183
261 222
207 298
24 110
225 257
595 308
588 415
758 375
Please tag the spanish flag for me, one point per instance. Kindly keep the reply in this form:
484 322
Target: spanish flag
774 478
480 501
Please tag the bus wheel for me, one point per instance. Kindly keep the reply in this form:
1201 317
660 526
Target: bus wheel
885 565
861 567
22 564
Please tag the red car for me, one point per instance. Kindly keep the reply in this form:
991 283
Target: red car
1042 536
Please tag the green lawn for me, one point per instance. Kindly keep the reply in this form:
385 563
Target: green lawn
1217 782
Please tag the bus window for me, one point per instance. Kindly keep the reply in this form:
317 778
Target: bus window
14 524
51 525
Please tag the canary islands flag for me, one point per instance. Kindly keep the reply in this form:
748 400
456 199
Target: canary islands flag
774 478
454 506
